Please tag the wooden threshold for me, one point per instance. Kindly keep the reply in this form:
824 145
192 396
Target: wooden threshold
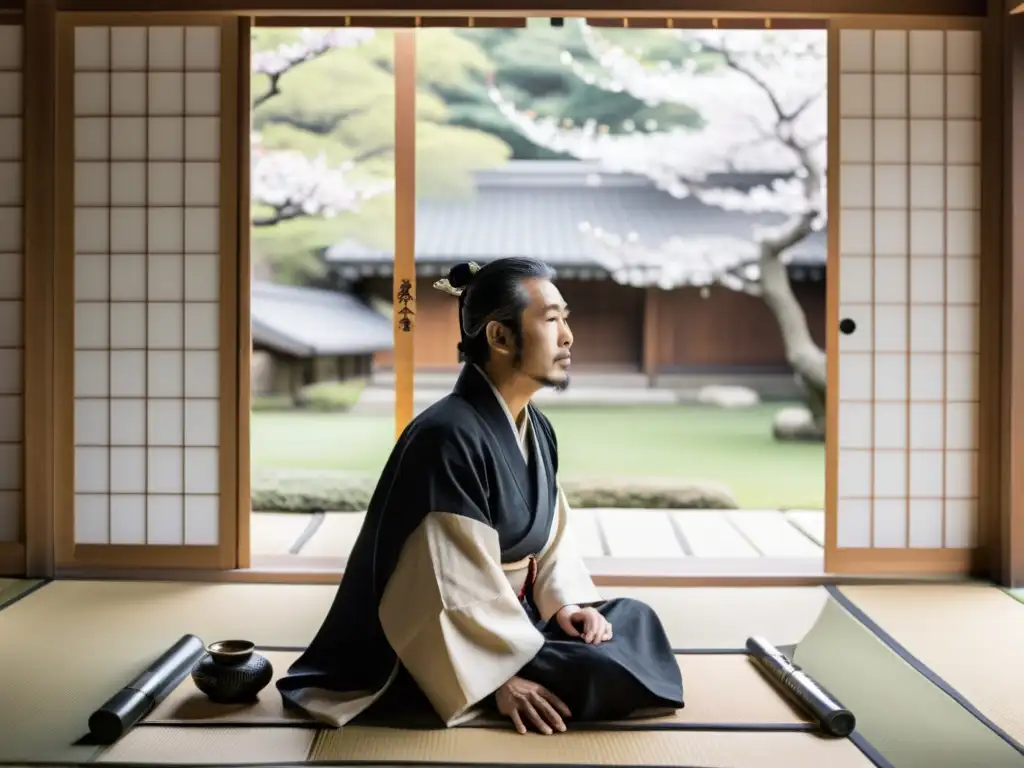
607 572
604 568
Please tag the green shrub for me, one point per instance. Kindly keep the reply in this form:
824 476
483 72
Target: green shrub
305 490
634 493
325 397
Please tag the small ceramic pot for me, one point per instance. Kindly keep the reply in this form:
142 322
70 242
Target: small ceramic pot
232 672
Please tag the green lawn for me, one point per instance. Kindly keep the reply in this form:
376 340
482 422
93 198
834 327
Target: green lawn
731 447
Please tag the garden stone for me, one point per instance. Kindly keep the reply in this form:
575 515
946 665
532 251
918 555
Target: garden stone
796 424
728 397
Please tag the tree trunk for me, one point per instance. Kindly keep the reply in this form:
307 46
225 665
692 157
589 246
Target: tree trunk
806 359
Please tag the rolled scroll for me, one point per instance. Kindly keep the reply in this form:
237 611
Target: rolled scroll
832 717
137 699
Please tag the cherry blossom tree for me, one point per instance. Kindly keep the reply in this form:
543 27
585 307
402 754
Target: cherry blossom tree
761 98
287 183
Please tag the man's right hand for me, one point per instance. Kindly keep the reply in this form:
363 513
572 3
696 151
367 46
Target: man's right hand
524 702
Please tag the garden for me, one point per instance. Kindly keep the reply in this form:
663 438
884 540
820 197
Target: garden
652 456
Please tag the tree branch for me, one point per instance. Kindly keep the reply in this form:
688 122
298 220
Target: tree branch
273 89
743 130
322 128
311 44
290 184
279 215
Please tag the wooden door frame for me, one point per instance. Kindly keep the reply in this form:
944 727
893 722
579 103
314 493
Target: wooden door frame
837 561
1001 515
1005 535
243 292
542 8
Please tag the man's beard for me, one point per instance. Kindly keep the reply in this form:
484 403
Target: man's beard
559 385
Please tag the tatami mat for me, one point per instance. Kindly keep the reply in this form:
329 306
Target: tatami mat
228 746
724 617
968 636
12 589
78 642
383 746
710 749
721 690
899 711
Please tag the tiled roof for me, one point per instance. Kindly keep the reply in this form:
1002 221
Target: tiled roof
535 208
310 322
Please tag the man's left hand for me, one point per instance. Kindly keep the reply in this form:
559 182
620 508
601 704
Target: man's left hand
585 623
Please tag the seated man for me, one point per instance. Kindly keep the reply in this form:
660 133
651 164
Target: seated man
463 591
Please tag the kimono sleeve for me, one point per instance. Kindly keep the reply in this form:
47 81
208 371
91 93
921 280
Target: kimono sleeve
448 610
562 576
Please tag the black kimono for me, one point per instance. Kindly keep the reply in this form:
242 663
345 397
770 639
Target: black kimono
453 582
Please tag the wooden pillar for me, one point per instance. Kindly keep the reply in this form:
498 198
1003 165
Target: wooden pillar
39 45
1006 539
405 290
243 294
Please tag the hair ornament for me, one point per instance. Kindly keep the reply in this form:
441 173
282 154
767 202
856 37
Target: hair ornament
458 278
444 285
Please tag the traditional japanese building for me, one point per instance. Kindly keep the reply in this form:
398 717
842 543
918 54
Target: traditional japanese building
540 209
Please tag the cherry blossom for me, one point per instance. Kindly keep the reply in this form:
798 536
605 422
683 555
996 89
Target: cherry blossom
700 261
292 185
310 44
763 113
288 182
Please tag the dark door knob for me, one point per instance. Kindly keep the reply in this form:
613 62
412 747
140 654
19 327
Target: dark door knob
847 326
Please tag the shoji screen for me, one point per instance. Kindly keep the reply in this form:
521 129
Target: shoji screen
11 286
909 250
150 138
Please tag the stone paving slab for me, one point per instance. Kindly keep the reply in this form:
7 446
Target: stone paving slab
772 534
641 533
811 522
622 533
587 532
336 535
274 533
709 533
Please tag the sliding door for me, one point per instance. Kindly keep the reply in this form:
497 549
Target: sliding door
908 248
146 291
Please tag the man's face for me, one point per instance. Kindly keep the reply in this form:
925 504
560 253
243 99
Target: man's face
546 335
